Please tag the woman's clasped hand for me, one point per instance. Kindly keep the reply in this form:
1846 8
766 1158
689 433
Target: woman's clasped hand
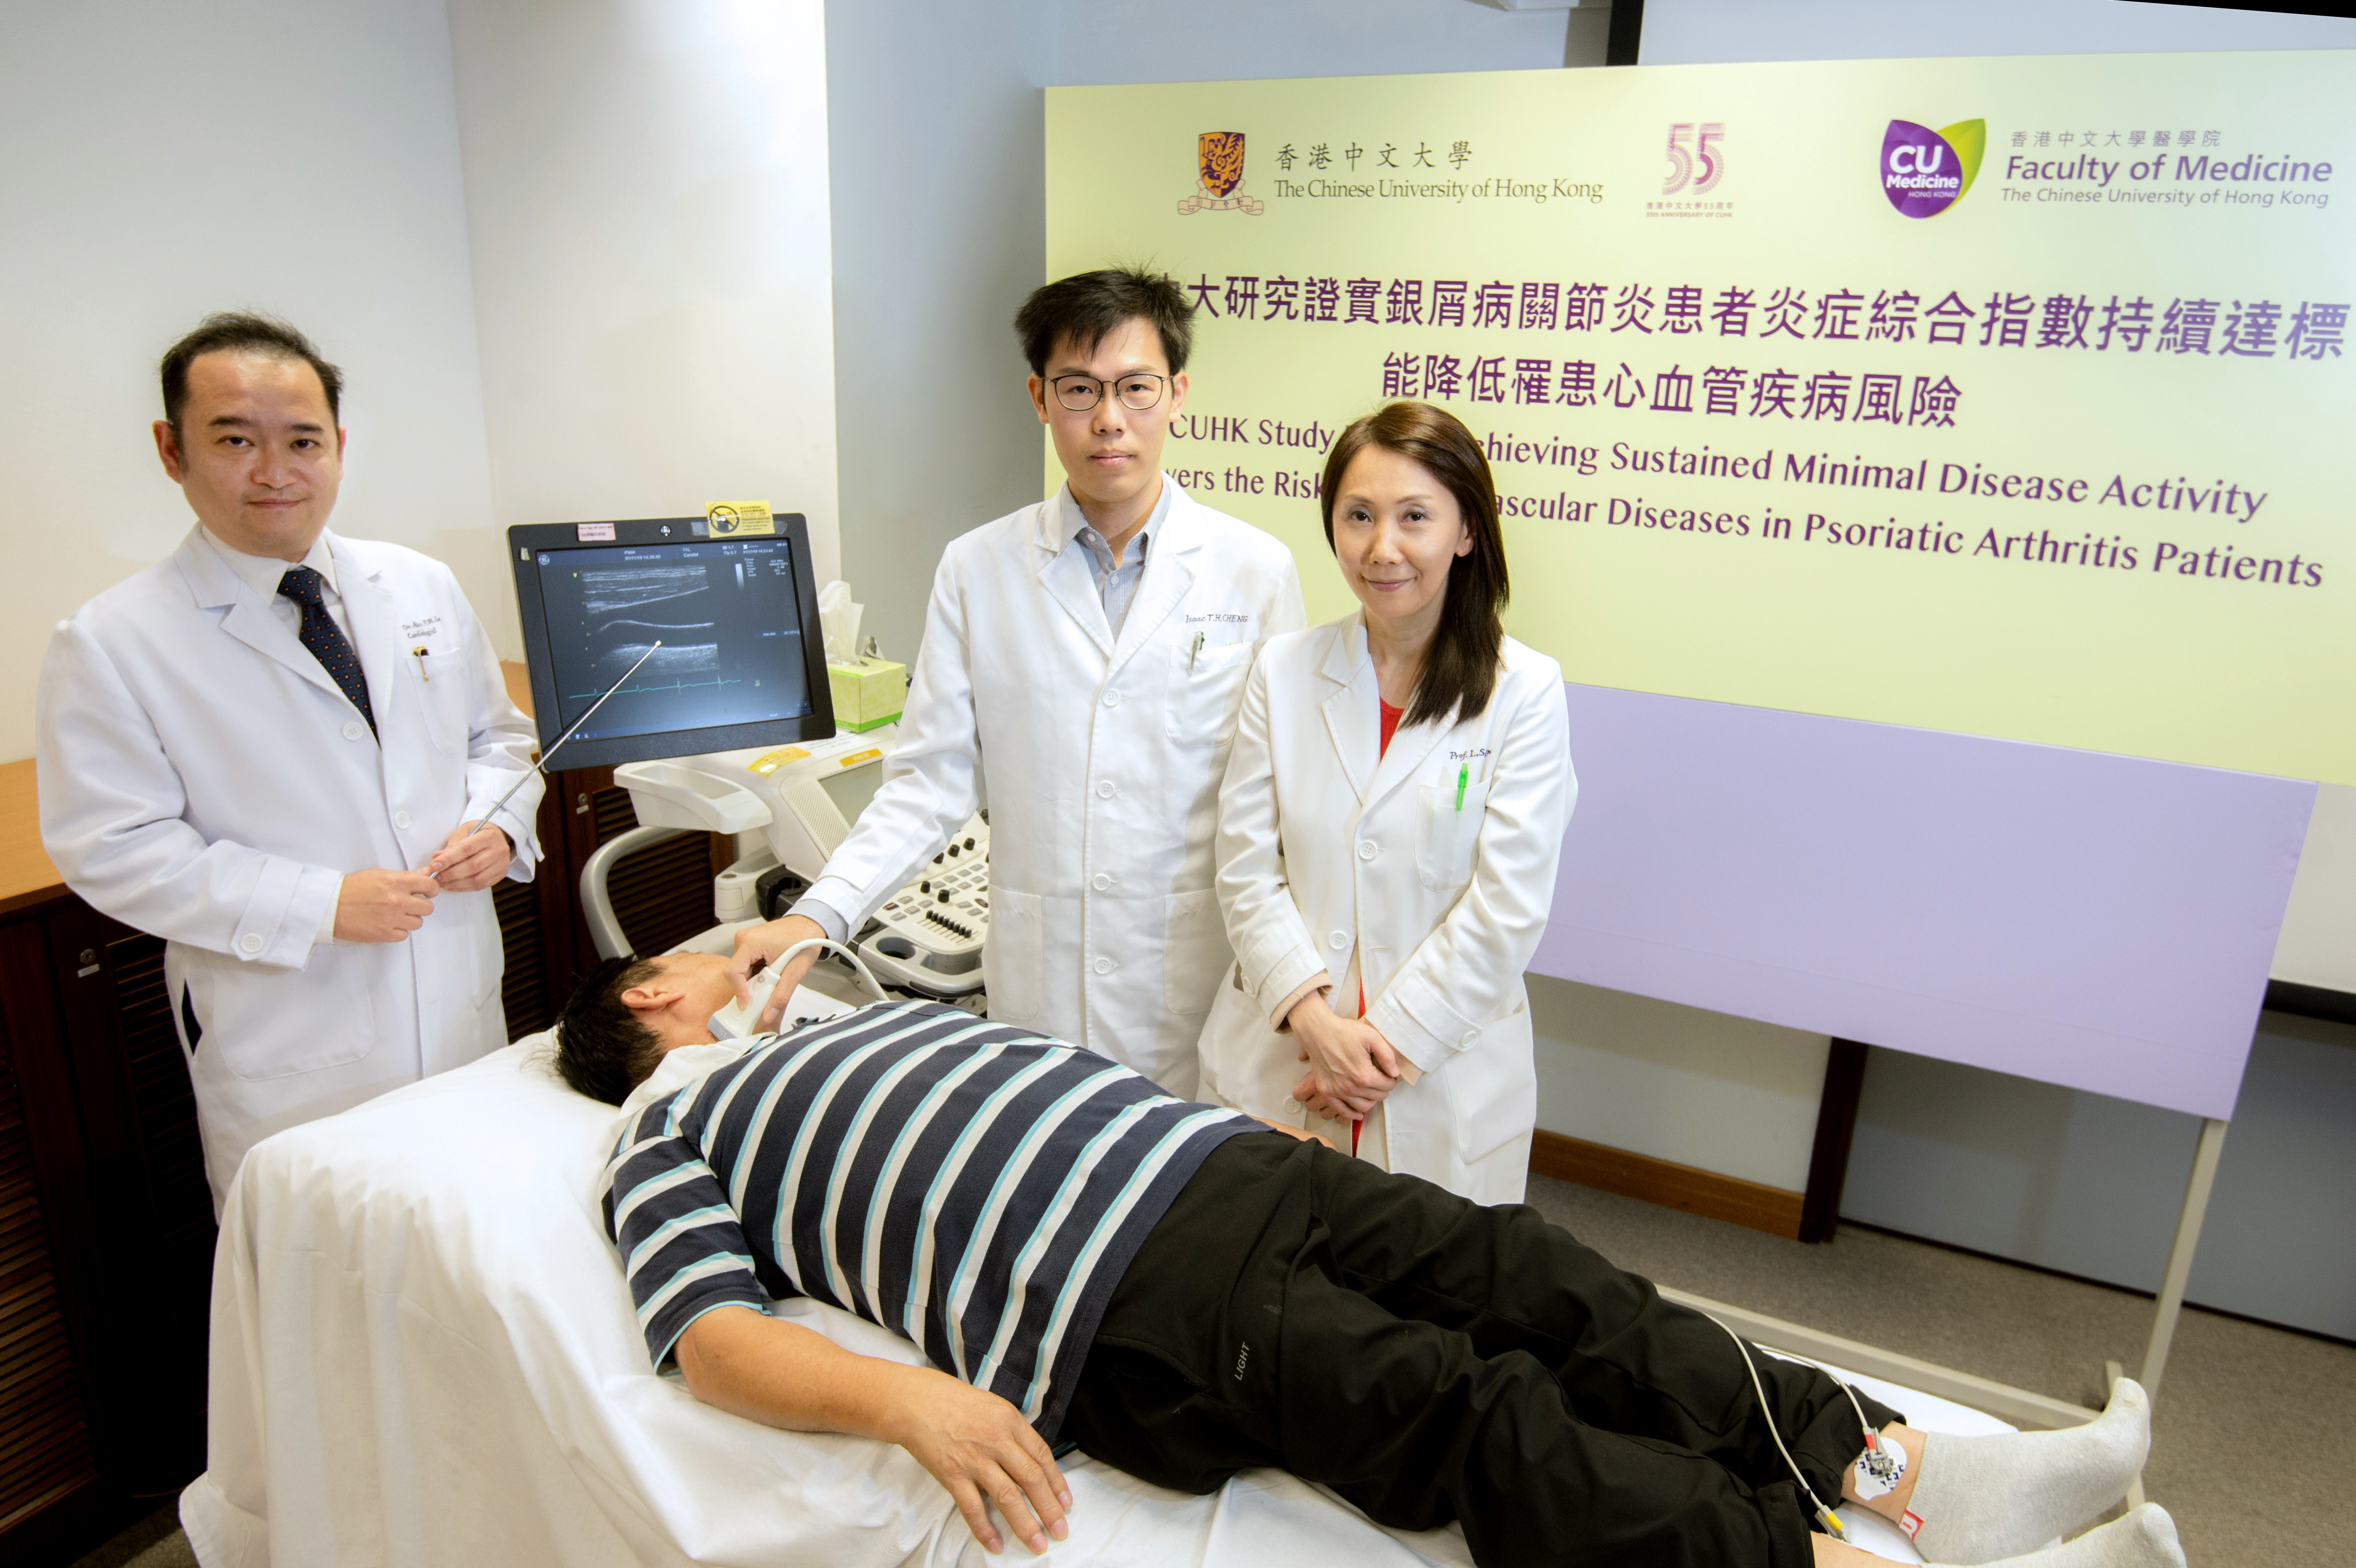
1352 1069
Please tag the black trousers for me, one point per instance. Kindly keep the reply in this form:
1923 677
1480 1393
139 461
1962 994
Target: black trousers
1429 1360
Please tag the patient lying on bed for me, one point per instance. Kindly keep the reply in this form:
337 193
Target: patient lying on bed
1184 1292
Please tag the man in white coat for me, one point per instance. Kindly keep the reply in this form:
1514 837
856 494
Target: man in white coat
1082 662
274 750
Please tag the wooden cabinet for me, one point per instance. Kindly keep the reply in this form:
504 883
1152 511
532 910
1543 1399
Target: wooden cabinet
52 1488
105 1248
106 1223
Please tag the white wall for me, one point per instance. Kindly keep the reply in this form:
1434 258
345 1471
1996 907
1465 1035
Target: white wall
166 160
2091 1186
939 214
645 187
1096 41
1708 1090
2318 934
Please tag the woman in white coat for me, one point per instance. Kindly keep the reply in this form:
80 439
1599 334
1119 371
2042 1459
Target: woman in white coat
1390 826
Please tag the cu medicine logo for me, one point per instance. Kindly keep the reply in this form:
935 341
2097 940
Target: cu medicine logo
1925 172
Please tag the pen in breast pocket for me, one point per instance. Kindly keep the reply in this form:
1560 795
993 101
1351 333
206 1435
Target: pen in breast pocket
1197 653
421 663
1463 772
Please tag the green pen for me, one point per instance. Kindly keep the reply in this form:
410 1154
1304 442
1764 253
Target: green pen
1464 771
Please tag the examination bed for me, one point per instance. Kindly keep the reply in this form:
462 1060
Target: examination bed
423 1353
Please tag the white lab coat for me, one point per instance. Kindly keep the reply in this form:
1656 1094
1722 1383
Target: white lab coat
1101 760
203 777
1335 868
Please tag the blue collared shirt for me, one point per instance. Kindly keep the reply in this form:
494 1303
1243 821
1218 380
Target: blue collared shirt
1116 585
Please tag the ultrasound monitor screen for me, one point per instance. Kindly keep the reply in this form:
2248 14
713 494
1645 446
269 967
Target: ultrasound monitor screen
723 609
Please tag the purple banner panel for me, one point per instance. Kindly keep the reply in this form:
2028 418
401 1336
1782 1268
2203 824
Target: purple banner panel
2096 921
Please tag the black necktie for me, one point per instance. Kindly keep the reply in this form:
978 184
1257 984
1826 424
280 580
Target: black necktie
326 641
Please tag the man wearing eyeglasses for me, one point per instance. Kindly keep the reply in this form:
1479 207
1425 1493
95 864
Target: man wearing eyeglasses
1082 663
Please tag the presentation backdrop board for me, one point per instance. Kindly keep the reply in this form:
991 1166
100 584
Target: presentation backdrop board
2007 397
2098 921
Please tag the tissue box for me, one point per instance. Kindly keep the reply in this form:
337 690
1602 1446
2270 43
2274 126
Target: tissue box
868 694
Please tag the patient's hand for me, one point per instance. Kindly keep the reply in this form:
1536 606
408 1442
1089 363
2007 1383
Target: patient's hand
975 1443
978 1445
758 946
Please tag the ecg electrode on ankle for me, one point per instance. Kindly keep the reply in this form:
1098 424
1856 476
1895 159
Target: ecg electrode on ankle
1879 1469
1894 1464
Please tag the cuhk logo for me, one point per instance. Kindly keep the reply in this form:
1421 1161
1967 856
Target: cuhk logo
1218 169
1925 172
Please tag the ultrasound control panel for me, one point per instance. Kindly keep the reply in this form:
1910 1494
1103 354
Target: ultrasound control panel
928 937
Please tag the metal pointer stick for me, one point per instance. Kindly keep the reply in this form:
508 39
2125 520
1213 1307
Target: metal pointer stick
541 766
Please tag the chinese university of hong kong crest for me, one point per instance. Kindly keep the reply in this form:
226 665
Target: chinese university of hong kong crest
1219 167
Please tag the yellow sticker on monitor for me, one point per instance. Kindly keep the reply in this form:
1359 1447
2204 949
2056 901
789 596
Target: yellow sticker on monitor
768 762
736 519
856 758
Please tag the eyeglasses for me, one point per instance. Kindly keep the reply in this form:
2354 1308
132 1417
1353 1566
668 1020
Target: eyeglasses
1137 392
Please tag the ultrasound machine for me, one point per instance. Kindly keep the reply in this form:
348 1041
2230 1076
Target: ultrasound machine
728 728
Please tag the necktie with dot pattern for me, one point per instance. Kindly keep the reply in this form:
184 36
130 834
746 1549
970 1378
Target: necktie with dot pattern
325 639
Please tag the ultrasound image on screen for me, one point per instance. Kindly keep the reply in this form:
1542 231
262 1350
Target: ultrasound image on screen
724 611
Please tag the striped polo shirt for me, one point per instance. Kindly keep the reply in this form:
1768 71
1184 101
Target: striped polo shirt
976 1189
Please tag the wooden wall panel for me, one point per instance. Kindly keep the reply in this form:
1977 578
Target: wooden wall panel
1664 1182
525 987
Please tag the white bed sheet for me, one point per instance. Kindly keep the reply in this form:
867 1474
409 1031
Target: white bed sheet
422 1353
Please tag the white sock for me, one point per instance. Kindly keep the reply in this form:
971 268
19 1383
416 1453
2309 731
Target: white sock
1981 1499
2144 1539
